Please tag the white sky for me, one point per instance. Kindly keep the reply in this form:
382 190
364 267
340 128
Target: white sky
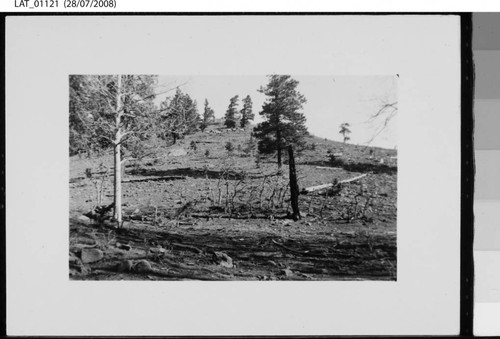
331 101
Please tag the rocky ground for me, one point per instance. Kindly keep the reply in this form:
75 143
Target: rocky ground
219 215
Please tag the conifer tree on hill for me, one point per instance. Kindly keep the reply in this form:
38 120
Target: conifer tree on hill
208 115
179 117
284 121
246 112
231 113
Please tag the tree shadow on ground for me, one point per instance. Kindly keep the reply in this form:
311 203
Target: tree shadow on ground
262 253
189 172
356 167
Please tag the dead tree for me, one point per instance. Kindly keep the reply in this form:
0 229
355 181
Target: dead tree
294 187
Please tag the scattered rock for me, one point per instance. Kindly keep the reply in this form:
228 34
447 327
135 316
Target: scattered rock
90 255
287 272
177 152
84 219
223 259
157 250
123 246
76 267
79 269
73 259
125 266
272 263
308 276
142 266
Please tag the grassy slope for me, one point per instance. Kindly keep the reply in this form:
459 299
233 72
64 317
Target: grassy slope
313 231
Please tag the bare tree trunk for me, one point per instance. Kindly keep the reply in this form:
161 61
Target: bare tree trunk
278 143
117 150
294 187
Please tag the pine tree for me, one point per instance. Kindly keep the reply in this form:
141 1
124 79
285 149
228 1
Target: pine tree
180 117
231 113
345 131
246 112
208 115
284 122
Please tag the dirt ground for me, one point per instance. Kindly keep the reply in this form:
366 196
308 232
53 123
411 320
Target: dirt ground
225 216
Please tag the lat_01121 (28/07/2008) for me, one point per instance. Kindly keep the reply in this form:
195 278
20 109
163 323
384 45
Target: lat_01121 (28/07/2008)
35 4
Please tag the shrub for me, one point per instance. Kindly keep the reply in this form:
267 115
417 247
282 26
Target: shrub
334 161
229 147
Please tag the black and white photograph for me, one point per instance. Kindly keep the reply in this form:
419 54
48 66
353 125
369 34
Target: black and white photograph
275 177
233 175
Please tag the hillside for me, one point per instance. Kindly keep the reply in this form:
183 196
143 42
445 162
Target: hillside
205 213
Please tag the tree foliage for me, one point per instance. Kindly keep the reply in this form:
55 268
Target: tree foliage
231 113
179 117
208 115
284 121
345 131
92 108
246 112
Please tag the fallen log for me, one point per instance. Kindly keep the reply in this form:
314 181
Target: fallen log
325 167
320 187
238 216
166 178
187 247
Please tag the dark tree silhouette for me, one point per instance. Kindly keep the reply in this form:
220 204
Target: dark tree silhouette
246 112
284 122
345 131
208 115
231 113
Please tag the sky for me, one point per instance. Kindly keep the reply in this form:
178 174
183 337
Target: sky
331 101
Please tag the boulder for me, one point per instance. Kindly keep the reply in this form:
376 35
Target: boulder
142 266
79 269
223 259
125 266
90 255
84 219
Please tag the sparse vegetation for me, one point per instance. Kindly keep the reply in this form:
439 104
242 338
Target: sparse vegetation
219 211
193 146
229 147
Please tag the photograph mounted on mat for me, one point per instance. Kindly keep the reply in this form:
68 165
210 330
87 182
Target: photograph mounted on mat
297 180
273 165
